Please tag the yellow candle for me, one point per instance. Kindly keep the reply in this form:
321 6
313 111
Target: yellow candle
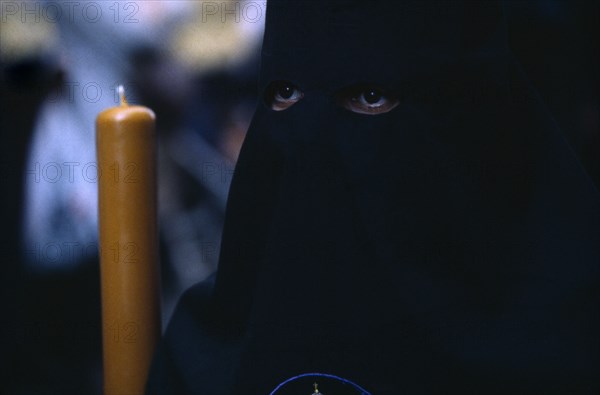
126 151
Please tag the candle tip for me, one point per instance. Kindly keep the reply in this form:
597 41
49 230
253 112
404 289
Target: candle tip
122 98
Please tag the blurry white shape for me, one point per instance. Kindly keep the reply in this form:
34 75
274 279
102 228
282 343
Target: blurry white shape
220 34
121 91
24 37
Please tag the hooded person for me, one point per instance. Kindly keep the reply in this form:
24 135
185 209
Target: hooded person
404 218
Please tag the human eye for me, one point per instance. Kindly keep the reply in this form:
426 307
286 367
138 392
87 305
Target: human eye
367 99
281 95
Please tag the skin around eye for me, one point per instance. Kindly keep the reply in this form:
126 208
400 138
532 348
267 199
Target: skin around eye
281 95
365 99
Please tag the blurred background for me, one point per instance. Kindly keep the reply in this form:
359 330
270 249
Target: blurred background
195 63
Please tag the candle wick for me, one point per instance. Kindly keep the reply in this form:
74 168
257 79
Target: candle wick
121 91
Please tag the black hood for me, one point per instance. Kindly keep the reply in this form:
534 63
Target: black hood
449 245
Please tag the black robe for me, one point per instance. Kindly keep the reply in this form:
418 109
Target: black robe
447 246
